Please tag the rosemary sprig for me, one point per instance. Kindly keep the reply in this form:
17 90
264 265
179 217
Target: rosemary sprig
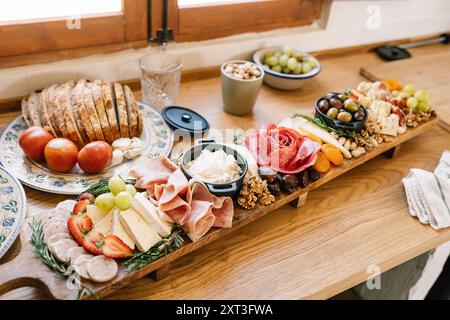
321 123
101 187
161 249
60 268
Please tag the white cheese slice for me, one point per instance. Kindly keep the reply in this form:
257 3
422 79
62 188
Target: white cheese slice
150 214
140 231
105 225
119 231
390 125
95 213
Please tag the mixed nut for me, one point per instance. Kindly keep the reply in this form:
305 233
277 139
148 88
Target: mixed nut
243 71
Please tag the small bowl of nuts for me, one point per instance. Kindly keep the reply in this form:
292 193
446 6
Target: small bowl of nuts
241 83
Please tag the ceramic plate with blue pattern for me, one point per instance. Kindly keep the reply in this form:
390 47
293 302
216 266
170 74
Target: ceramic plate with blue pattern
157 137
13 208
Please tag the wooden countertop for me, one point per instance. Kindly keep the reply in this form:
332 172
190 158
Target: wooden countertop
355 221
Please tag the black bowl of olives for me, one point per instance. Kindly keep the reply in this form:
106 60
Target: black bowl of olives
341 111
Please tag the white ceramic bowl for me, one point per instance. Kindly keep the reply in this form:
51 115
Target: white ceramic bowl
280 80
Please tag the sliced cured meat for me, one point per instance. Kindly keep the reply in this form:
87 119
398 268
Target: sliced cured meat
54 228
60 248
102 269
57 237
67 205
200 219
221 207
74 252
80 265
189 204
282 149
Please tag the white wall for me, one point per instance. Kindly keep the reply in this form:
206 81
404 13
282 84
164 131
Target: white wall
350 23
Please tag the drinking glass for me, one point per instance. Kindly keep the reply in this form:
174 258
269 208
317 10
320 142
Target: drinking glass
160 79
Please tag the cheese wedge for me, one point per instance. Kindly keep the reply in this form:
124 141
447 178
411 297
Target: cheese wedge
140 231
95 213
105 225
150 214
119 231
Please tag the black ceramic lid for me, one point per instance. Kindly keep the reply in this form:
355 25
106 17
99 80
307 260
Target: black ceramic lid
184 118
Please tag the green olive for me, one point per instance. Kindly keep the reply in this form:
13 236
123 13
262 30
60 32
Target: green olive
332 113
351 105
344 116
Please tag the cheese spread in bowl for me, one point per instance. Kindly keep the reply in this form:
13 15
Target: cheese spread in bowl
214 167
221 167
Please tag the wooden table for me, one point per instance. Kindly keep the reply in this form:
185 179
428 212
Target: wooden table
317 251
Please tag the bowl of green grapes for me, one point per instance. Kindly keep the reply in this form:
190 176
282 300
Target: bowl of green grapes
286 68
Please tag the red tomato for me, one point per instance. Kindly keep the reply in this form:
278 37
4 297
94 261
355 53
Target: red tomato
61 154
95 156
33 142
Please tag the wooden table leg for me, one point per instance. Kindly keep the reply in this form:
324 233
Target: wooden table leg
161 273
392 153
297 203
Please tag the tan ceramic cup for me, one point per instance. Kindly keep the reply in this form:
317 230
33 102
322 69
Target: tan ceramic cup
238 95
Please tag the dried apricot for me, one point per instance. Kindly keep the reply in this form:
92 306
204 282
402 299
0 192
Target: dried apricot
333 154
322 164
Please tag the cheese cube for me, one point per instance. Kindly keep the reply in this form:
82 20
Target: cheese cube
105 225
150 214
140 231
390 125
95 213
119 231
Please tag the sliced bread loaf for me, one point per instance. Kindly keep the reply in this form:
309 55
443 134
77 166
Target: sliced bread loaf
43 109
79 113
26 112
107 94
132 112
92 112
121 110
101 111
65 105
33 109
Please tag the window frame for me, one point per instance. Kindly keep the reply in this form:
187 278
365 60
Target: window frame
52 35
203 22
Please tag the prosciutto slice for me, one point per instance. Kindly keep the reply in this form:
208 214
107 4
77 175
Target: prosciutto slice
283 149
189 204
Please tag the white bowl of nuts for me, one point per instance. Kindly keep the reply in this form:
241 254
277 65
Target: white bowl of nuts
241 83
285 68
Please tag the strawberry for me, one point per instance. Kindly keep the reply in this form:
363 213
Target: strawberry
115 248
79 226
81 207
87 196
93 242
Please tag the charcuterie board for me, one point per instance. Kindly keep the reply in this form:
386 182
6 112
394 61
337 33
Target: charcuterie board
27 269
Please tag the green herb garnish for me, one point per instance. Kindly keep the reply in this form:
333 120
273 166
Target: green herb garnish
321 123
159 250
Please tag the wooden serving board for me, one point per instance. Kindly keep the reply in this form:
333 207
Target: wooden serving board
27 269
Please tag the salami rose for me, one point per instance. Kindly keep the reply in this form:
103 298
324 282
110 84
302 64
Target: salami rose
282 149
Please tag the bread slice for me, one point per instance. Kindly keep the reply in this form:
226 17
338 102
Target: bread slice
92 112
121 109
101 111
26 111
33 110
80 113
43 110
107 94
52 107
65 107
132 112
76 98
59 116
